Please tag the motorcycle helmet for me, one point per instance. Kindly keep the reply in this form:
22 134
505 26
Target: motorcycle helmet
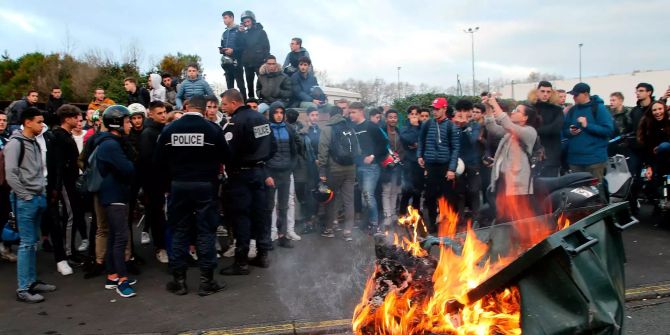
137 108
248 14
322 193
113 117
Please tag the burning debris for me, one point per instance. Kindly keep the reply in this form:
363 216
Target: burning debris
412 292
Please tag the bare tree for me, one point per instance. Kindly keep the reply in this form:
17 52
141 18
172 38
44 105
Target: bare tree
69 42
132 54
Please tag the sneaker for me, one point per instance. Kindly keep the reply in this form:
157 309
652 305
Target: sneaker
162 256
293 236
193 254
347 236
40 286
274 236
336 227
221 231
231 251
285 242
7 254
328 233
252 249
111 284
64 268
125 290
83 246
27 296
146 238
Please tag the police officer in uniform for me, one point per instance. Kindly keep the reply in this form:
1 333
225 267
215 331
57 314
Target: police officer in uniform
251 144
192 150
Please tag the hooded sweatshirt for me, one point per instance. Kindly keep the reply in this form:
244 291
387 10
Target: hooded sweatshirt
273 86
26 178
590 146
191 87
285 137
116 170
158 92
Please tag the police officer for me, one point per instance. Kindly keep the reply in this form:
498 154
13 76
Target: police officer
250 140
192 150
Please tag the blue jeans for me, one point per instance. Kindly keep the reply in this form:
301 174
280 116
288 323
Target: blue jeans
368 177
28 217
193 203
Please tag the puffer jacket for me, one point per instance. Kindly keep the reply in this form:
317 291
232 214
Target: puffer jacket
191 87
439 143
273 86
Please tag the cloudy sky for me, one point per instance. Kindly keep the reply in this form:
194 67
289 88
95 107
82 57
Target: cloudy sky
365 39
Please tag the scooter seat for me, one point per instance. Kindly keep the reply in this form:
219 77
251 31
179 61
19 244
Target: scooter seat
546 185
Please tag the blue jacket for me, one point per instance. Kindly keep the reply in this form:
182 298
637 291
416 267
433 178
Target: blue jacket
435 145
229 40
302 86
590 146
191 87
409 137
470 151
116 169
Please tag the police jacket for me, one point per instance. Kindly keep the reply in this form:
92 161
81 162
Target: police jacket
191 149
249 138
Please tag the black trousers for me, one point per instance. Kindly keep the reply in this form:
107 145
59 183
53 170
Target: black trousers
437 187
235 73
250 72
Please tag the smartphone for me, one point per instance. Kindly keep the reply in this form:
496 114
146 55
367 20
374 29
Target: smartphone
643 174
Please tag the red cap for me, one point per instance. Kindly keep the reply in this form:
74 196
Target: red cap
440 103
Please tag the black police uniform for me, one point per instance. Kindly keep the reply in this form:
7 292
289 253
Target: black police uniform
192 150
250 140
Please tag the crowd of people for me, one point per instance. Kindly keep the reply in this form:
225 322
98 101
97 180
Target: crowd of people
265 169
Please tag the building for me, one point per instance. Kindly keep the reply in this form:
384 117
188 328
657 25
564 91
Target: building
600 85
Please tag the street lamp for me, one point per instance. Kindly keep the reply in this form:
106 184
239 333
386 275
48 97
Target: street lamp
580 61
472 32
399 81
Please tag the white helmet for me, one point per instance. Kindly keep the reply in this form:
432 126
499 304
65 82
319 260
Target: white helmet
137 108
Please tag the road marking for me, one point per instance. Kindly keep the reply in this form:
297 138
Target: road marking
291 328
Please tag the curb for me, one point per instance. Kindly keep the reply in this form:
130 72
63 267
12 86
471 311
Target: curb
654 291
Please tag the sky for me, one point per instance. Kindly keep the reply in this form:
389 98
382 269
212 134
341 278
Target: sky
364 39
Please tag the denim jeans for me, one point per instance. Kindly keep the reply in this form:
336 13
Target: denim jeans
28 217
117 239
368 177
282 181
193 203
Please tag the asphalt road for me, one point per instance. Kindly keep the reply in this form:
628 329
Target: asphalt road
316 284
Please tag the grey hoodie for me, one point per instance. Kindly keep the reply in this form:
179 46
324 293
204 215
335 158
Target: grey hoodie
25 178
158 91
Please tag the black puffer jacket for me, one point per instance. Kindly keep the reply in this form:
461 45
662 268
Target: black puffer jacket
255 45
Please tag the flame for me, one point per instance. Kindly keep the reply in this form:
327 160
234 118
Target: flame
444 308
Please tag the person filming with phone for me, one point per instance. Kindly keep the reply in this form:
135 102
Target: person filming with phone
588 127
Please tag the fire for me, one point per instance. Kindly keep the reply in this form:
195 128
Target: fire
423 303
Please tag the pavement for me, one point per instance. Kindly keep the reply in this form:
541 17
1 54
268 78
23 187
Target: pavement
311 289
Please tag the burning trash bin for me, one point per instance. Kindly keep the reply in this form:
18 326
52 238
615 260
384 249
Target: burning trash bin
534 276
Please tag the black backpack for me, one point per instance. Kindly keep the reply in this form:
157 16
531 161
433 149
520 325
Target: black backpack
344 144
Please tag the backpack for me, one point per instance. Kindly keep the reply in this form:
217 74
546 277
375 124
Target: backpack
344 147
22 153
91 180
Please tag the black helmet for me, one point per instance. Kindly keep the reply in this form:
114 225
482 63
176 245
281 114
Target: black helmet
248 14
113 117
322 193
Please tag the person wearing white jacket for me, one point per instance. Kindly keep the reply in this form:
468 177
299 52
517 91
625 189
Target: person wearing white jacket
157 90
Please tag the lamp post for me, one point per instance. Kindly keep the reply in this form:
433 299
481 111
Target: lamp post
580 61
472 32
399 81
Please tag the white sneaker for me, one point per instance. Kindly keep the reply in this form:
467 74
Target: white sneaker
252 249
162 256
231 251
221 231
193 254
274 236
83 246
146 238
7 254
64 268
292 235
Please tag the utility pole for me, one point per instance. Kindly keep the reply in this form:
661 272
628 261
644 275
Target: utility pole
580 61
472 32
399 81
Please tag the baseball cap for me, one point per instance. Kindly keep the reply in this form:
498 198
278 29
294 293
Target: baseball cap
580 88
137 108
440 103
